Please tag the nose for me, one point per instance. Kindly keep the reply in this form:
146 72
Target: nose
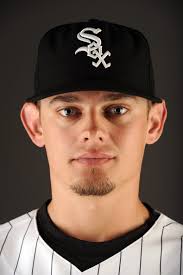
95 129
86 138
93 135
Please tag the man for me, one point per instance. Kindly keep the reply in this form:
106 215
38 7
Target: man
94 110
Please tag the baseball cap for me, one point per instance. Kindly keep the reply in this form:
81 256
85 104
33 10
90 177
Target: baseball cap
93 55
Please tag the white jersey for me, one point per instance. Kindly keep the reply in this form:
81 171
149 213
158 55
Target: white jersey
158 252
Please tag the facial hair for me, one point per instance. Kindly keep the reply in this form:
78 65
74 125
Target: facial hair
95 183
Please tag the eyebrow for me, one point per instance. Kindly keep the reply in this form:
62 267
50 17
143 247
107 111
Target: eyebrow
74 99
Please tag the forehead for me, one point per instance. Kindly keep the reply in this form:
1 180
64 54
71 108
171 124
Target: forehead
83 96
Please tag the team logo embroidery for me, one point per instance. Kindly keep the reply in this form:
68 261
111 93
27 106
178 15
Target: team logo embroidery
94 49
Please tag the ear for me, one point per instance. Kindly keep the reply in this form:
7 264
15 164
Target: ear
31 119
156 121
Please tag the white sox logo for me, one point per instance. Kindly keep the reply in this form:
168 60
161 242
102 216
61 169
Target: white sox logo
94 49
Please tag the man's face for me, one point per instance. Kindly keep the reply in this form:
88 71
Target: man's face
91 125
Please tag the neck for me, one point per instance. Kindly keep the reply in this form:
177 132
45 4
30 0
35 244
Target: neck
97 219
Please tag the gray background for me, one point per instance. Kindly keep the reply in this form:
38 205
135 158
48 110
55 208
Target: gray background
25 182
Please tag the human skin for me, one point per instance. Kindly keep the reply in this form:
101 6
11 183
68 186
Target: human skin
100 202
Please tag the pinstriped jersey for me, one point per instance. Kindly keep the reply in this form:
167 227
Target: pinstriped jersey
24 252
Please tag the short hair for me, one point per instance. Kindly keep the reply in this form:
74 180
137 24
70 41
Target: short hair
38 103
149 105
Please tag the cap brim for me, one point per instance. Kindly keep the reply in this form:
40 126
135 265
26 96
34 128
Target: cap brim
60 91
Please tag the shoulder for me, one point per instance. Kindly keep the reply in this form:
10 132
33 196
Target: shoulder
15 228
16 236
166 228
17 222
166 220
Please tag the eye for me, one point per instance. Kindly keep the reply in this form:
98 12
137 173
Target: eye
69 111
66 108
118 108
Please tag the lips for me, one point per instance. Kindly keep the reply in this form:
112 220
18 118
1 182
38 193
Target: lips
95 156
93 161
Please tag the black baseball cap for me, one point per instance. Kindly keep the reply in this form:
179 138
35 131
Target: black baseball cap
93 55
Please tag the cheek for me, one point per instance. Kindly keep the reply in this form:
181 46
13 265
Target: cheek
131 139
58 143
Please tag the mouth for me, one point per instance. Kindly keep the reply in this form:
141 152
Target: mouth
93 161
